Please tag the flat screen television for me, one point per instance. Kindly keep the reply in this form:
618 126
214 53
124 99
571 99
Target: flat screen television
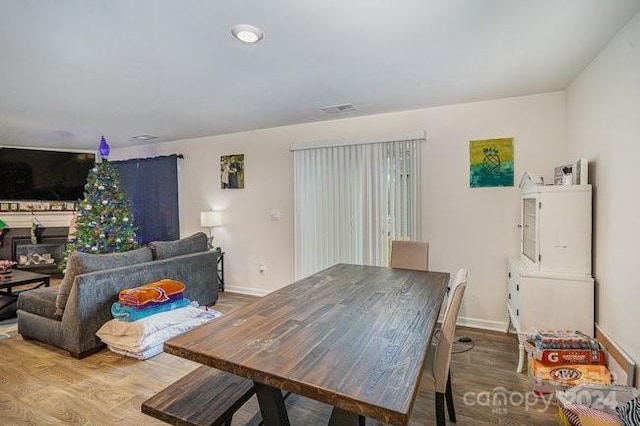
38 175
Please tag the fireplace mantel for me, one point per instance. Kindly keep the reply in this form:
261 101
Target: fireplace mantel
46 219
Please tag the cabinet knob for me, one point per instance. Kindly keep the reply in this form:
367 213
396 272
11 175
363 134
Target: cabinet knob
519 225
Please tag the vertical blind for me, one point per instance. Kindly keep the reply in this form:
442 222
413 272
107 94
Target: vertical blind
352 200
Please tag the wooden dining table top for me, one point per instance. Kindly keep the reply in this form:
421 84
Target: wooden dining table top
351 336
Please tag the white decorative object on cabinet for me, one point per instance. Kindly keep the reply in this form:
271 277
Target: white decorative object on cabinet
550 284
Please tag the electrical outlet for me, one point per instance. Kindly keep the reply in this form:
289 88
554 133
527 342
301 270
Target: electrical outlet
262 269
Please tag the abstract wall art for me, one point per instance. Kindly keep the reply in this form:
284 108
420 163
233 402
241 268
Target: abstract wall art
491 162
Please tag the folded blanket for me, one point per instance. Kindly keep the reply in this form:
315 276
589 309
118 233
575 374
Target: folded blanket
152 294
139 336
151 352
128 313
171 298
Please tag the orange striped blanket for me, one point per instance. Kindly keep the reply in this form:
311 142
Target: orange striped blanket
152 294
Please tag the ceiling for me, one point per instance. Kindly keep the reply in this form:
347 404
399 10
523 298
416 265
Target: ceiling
73 70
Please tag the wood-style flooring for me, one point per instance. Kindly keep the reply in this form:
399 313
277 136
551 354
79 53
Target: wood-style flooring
41 385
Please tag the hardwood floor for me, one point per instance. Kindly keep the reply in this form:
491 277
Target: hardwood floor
41 385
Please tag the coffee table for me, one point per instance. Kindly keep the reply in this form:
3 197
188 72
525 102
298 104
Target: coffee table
18 278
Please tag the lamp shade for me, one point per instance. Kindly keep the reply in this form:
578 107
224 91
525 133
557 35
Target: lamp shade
210 219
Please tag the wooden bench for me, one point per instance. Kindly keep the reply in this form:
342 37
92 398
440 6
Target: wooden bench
206 396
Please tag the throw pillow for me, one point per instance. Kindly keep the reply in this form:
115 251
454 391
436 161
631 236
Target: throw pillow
195 243
629 413
82 263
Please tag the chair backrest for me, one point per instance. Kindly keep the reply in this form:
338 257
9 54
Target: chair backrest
409 255
443 346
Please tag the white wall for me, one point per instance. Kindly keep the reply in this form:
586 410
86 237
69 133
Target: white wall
603 115
468 227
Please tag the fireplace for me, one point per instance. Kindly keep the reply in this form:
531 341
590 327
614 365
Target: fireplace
42 257
34 255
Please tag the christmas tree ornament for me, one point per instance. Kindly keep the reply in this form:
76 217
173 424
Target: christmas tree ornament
104 148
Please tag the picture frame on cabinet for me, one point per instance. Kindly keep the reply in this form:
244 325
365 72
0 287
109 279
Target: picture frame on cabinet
563 175
581 172
576 173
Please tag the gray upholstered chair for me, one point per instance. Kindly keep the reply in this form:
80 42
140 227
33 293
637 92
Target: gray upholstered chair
409 255
436 374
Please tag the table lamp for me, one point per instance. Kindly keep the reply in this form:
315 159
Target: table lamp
210 219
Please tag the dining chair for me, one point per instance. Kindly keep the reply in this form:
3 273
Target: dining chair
409 255
436 374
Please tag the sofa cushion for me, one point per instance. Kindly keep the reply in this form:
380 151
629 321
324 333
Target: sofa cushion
40 301
82 263
196 243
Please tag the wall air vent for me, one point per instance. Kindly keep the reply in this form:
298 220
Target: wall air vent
334 109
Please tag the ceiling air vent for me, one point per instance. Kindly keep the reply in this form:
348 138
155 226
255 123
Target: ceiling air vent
334 109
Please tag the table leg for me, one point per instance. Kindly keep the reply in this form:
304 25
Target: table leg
272 408
340 417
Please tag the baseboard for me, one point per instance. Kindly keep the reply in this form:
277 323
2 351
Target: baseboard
482 324
246 290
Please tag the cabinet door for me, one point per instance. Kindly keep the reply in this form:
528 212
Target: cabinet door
565 233
556 304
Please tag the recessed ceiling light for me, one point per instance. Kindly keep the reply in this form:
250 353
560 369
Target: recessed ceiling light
247 33
144 137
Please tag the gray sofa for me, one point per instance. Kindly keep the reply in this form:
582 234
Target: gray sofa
68 316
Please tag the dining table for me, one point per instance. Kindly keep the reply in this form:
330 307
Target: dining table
351 336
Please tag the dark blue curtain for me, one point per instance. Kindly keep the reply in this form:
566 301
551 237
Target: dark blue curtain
151 185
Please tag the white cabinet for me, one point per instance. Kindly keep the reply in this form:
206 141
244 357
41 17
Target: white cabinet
550 284
549 301
556 228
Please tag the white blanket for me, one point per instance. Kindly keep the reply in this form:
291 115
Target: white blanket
151 352
137 337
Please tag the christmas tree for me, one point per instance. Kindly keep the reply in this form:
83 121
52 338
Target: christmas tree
104 221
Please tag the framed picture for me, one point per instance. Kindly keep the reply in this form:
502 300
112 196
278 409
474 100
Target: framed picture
232 171
563 175
491 162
